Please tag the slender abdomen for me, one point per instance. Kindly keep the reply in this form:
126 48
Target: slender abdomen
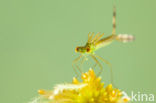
105 41
108 40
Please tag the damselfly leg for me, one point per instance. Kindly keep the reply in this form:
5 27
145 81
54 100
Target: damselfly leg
75 66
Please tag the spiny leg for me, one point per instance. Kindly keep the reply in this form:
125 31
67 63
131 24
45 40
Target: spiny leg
109 64
77 75
94 65
83 60
101 68
75 62
96 36
90 37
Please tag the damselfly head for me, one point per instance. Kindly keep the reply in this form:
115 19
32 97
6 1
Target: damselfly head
82 49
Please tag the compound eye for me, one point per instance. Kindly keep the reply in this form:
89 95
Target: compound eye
88 49
76 49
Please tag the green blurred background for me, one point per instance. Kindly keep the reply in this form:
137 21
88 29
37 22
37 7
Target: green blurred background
38 38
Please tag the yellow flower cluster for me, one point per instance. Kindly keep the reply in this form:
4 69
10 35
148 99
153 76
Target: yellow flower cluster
90 90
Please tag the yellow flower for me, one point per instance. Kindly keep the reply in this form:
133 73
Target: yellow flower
89 90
